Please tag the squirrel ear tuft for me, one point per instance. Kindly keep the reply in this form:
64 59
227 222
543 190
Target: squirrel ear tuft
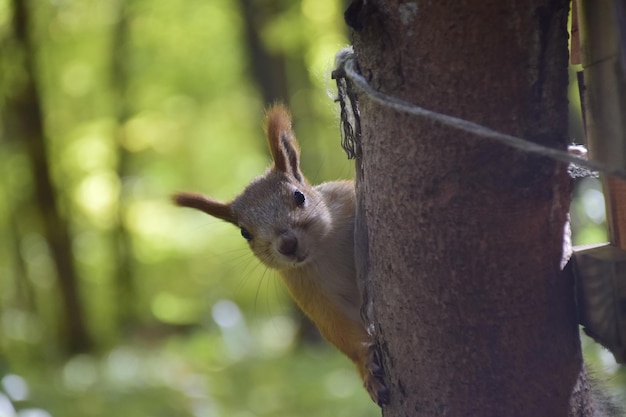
208 205
282 141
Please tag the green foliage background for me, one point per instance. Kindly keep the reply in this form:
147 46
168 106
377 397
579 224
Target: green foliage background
142 98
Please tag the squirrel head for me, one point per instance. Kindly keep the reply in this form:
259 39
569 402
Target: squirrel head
281 216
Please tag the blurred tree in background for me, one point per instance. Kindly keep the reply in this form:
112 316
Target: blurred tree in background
114 302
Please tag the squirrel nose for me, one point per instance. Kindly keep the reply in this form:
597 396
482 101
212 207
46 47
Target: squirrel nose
288 244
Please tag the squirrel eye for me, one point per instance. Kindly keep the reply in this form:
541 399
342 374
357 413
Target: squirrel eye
299 197
246 234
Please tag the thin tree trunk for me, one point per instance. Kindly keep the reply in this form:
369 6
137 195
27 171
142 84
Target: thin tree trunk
461 238
267 69
125 288
27 120
24 294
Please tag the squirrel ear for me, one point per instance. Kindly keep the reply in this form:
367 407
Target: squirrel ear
282 141
209 206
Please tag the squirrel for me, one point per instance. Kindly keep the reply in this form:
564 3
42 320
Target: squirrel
306 233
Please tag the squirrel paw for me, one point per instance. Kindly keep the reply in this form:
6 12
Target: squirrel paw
373 379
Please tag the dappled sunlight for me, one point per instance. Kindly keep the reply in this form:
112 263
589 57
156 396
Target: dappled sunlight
587 213
151 131
22 326
80 373
141 99
593 204
322 12
277 335
91 249
170 308
98 197
78 79
90 148
36 253
342 383
151 222
186 380
15 386
234 331
122 366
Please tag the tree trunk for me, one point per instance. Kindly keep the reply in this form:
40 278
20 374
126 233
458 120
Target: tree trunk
461 238
27 120
267 69
125 285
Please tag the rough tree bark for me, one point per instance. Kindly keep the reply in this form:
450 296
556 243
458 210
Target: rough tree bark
461 238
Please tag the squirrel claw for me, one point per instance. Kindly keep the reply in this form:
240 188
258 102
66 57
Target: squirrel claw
373 380
378 391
